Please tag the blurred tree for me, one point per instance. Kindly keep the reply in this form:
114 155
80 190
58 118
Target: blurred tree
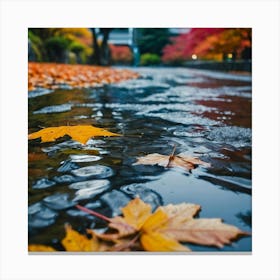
183 46
55 44
121 55
57 48
153 40
101 50
209 43
230 44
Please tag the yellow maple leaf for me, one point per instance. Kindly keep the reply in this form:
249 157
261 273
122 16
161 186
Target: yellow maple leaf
161 231
76 242
80 133
40 248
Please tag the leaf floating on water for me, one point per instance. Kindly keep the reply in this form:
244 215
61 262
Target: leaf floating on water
161 231
186 162
76 242
80 133
40 248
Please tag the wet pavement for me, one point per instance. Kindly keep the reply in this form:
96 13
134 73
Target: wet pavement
204 113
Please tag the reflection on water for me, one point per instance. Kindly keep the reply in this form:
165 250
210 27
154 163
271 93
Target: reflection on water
205 113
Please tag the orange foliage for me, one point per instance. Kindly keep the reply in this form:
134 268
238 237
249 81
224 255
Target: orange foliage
121 54
52 75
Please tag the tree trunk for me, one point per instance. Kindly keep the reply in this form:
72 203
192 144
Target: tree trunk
96 51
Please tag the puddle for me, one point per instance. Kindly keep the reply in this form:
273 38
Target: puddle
205 113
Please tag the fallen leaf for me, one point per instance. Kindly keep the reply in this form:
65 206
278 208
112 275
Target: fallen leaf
157 242
80 133
161 231
135 214
76 242
54 75
180 160
177 222
211 232
40 248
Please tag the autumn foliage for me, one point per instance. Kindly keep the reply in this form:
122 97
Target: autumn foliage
52 75
139 229
80 133
208 43
121 54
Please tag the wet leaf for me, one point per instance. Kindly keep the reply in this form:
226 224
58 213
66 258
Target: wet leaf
80 133
135 214
181 160
76 242
54 75
161 231
40 248
157 242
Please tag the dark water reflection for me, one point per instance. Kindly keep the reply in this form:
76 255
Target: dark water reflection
205 113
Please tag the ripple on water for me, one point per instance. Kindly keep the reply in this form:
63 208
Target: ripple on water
58 201
54 109
70 144
43 184
64 179
40 216
89 189
90 184
94 171
233 135
115 201
84 158
147 195
67 166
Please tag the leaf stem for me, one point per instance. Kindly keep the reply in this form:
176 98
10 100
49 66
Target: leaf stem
102 217
171 157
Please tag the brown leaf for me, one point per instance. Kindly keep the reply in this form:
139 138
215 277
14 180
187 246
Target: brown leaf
161 231
80 133
181 160
211 232
54 75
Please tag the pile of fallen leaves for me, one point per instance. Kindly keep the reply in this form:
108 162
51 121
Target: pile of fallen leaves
52 75
141 230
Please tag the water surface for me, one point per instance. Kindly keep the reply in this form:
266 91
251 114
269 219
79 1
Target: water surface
204 113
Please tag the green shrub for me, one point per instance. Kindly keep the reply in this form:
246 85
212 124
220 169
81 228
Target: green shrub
77 48
149 59
56 48
36 47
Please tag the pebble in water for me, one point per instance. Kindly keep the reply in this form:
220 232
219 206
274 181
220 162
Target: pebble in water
78 213
40 216
67 166
65 179
70 144
115 201
147 195
43 184
84 158
94 171
89 189
98 184
54 109
39 223
58 201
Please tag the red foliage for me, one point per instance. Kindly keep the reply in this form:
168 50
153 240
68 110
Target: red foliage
183 46
207 43
121 54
